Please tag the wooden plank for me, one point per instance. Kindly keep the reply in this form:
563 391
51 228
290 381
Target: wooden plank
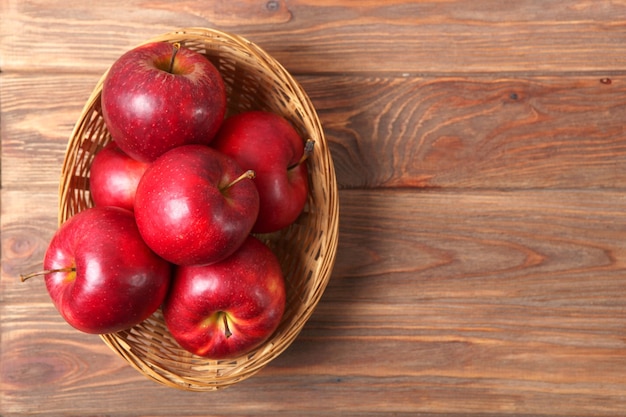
441 37
459 132
459 302
38 114
477 132
28 220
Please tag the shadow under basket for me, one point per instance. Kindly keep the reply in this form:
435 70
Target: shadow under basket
306 249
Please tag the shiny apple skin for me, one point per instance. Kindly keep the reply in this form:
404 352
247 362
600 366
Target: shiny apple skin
149 110
182 212
247 290
118 281
114 177
268 144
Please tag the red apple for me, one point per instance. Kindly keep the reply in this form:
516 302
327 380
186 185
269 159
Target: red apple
114 177
226 309
268 144
194 205
100 274
160 95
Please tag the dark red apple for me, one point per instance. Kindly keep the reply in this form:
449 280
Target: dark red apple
194 205
268 144
100 274
226 309
114 177
161 95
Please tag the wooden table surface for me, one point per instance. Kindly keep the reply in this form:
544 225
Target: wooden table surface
480 153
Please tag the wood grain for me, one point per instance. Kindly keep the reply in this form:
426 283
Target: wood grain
480 132
515 296
34 135
307 36
25 236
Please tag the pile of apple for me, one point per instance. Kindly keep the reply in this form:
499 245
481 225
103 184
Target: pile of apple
179 195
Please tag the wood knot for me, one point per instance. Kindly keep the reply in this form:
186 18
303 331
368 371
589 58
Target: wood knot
272 5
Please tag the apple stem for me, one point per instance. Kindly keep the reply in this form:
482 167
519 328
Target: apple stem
227 331
174 52
49 271
308 150
249 174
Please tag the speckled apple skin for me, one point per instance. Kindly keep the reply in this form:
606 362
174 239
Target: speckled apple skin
182 212
268 144
118 281
247 290
114 177
149 110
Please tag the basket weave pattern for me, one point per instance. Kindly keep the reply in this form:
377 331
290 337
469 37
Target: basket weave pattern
306 249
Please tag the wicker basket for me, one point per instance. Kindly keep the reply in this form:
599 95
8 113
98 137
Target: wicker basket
306 249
